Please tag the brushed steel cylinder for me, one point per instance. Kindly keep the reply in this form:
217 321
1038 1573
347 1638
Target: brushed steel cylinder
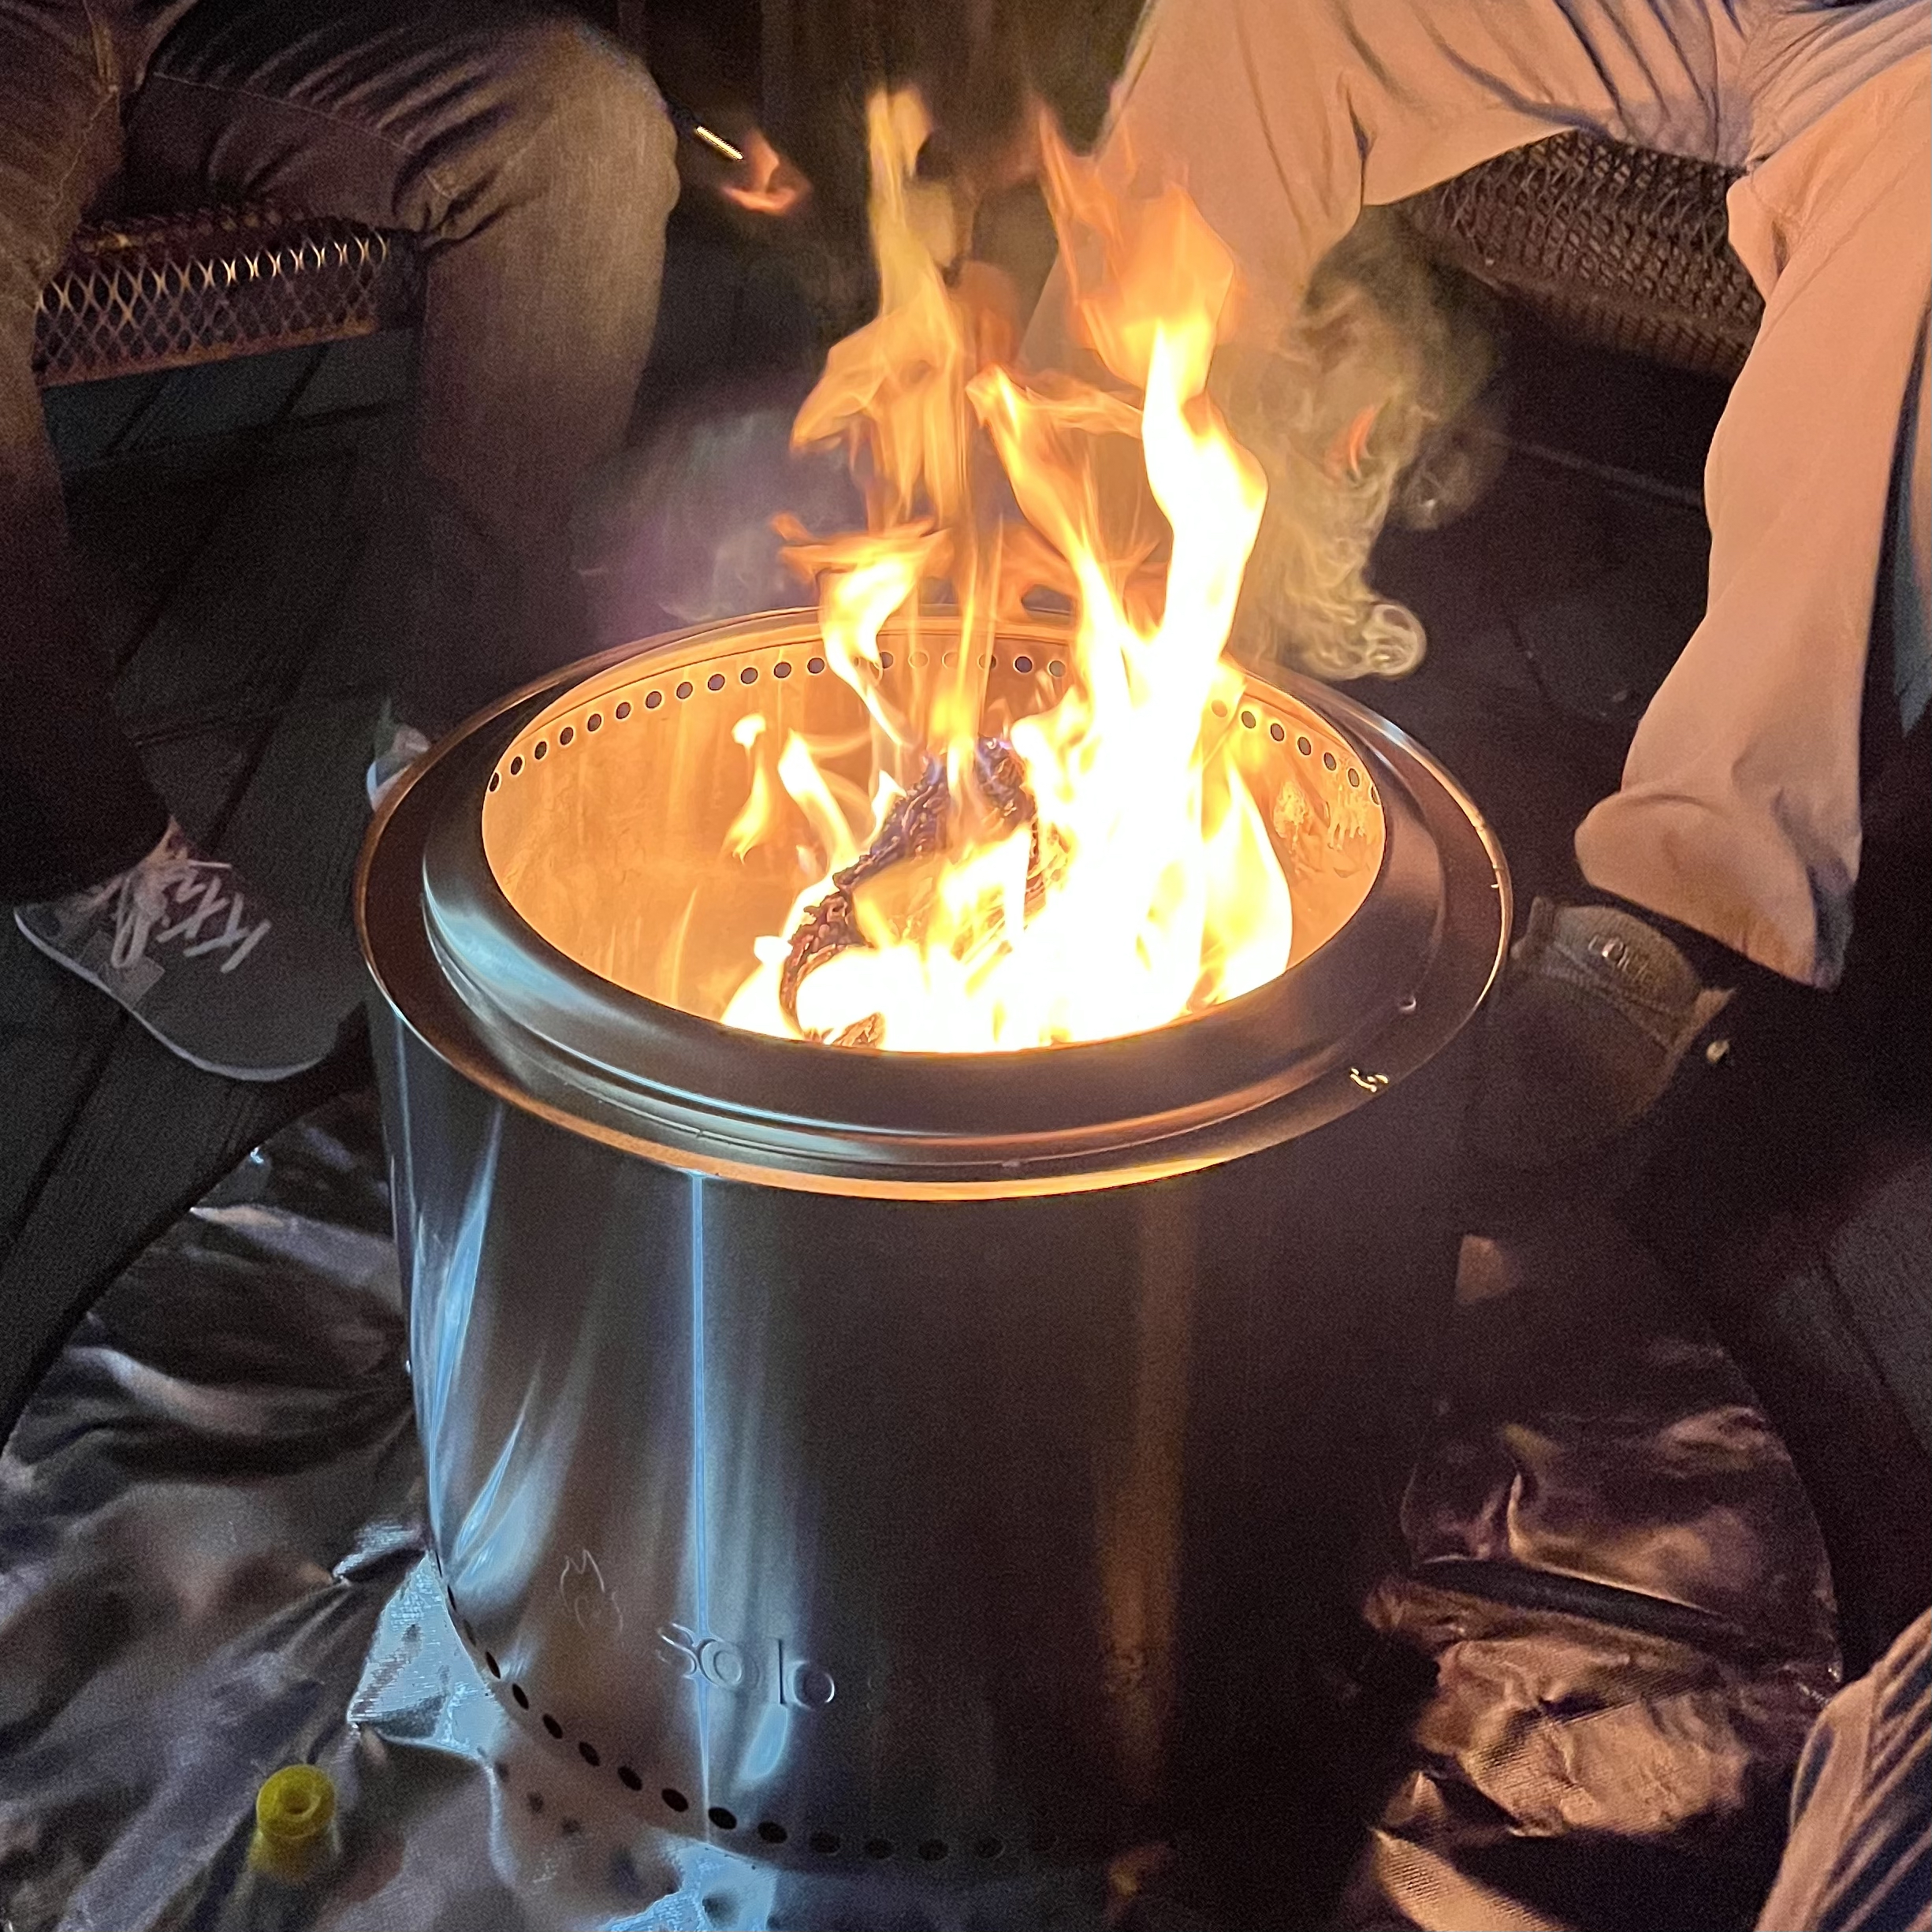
857 1457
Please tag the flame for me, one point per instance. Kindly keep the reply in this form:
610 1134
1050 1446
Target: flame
1105 869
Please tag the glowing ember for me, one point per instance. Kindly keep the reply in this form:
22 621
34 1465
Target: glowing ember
1101 868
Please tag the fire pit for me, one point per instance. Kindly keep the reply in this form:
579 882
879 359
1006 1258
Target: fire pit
860 1455
918 1130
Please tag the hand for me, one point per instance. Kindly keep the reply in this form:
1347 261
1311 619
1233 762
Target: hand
765 182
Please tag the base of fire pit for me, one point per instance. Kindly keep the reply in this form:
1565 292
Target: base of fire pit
222 1564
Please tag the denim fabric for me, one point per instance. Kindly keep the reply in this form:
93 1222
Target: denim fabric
533 158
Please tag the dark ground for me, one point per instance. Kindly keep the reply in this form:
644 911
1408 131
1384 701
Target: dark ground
224 515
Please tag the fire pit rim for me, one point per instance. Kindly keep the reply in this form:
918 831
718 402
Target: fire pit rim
527 1039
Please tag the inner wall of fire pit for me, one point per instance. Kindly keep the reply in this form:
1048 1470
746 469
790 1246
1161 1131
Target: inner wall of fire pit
605 819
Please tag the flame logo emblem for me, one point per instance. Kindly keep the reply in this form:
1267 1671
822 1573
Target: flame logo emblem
583 1587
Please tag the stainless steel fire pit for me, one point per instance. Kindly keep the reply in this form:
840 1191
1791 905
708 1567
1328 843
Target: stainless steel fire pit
863 1457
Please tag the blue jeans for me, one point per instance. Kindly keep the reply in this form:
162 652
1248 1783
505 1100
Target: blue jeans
534 160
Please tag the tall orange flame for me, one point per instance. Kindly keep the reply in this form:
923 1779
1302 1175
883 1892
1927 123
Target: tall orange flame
1106 869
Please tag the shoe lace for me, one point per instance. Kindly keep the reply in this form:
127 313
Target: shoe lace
196 892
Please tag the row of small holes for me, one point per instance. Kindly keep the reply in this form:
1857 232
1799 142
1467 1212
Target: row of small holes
586 1749
653 701
920 660
748 675
1023 665
825 1843
1302 745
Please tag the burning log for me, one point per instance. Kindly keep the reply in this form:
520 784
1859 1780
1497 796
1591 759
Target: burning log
919 823
916 824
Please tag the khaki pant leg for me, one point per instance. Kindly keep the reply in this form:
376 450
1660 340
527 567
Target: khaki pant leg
1739 813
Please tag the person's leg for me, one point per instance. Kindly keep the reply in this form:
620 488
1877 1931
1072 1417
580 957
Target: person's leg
1739 813
535 160
1860 1850
75 807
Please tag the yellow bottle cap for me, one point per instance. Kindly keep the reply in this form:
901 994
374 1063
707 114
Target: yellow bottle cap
293 1811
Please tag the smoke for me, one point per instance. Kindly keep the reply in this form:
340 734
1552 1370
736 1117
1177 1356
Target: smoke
1353 412
679 530
1359 411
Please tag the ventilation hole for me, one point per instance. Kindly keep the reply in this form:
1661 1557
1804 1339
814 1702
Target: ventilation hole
521 1696
588 1753
1303 746
469 1633
984 660
595 722
551 1725
748 675
650 704
781 669
653 701
878 1847
496 779
629 1778
825 1843
922 659
772 1833
724 1820
1275 732
684 689
516 765
535 1802
502 1770
1056 669
1248 718
1375 796
674 1799
489 1658
950 659
1220 709
1023 665
570 1827
564 736
932 1850
540 750
814 665
1355 777
715 682
987 1848
885 661
1328 761
451 1595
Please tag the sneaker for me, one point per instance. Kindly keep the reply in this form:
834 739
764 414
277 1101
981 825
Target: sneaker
405 745
1592 1021
204 965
